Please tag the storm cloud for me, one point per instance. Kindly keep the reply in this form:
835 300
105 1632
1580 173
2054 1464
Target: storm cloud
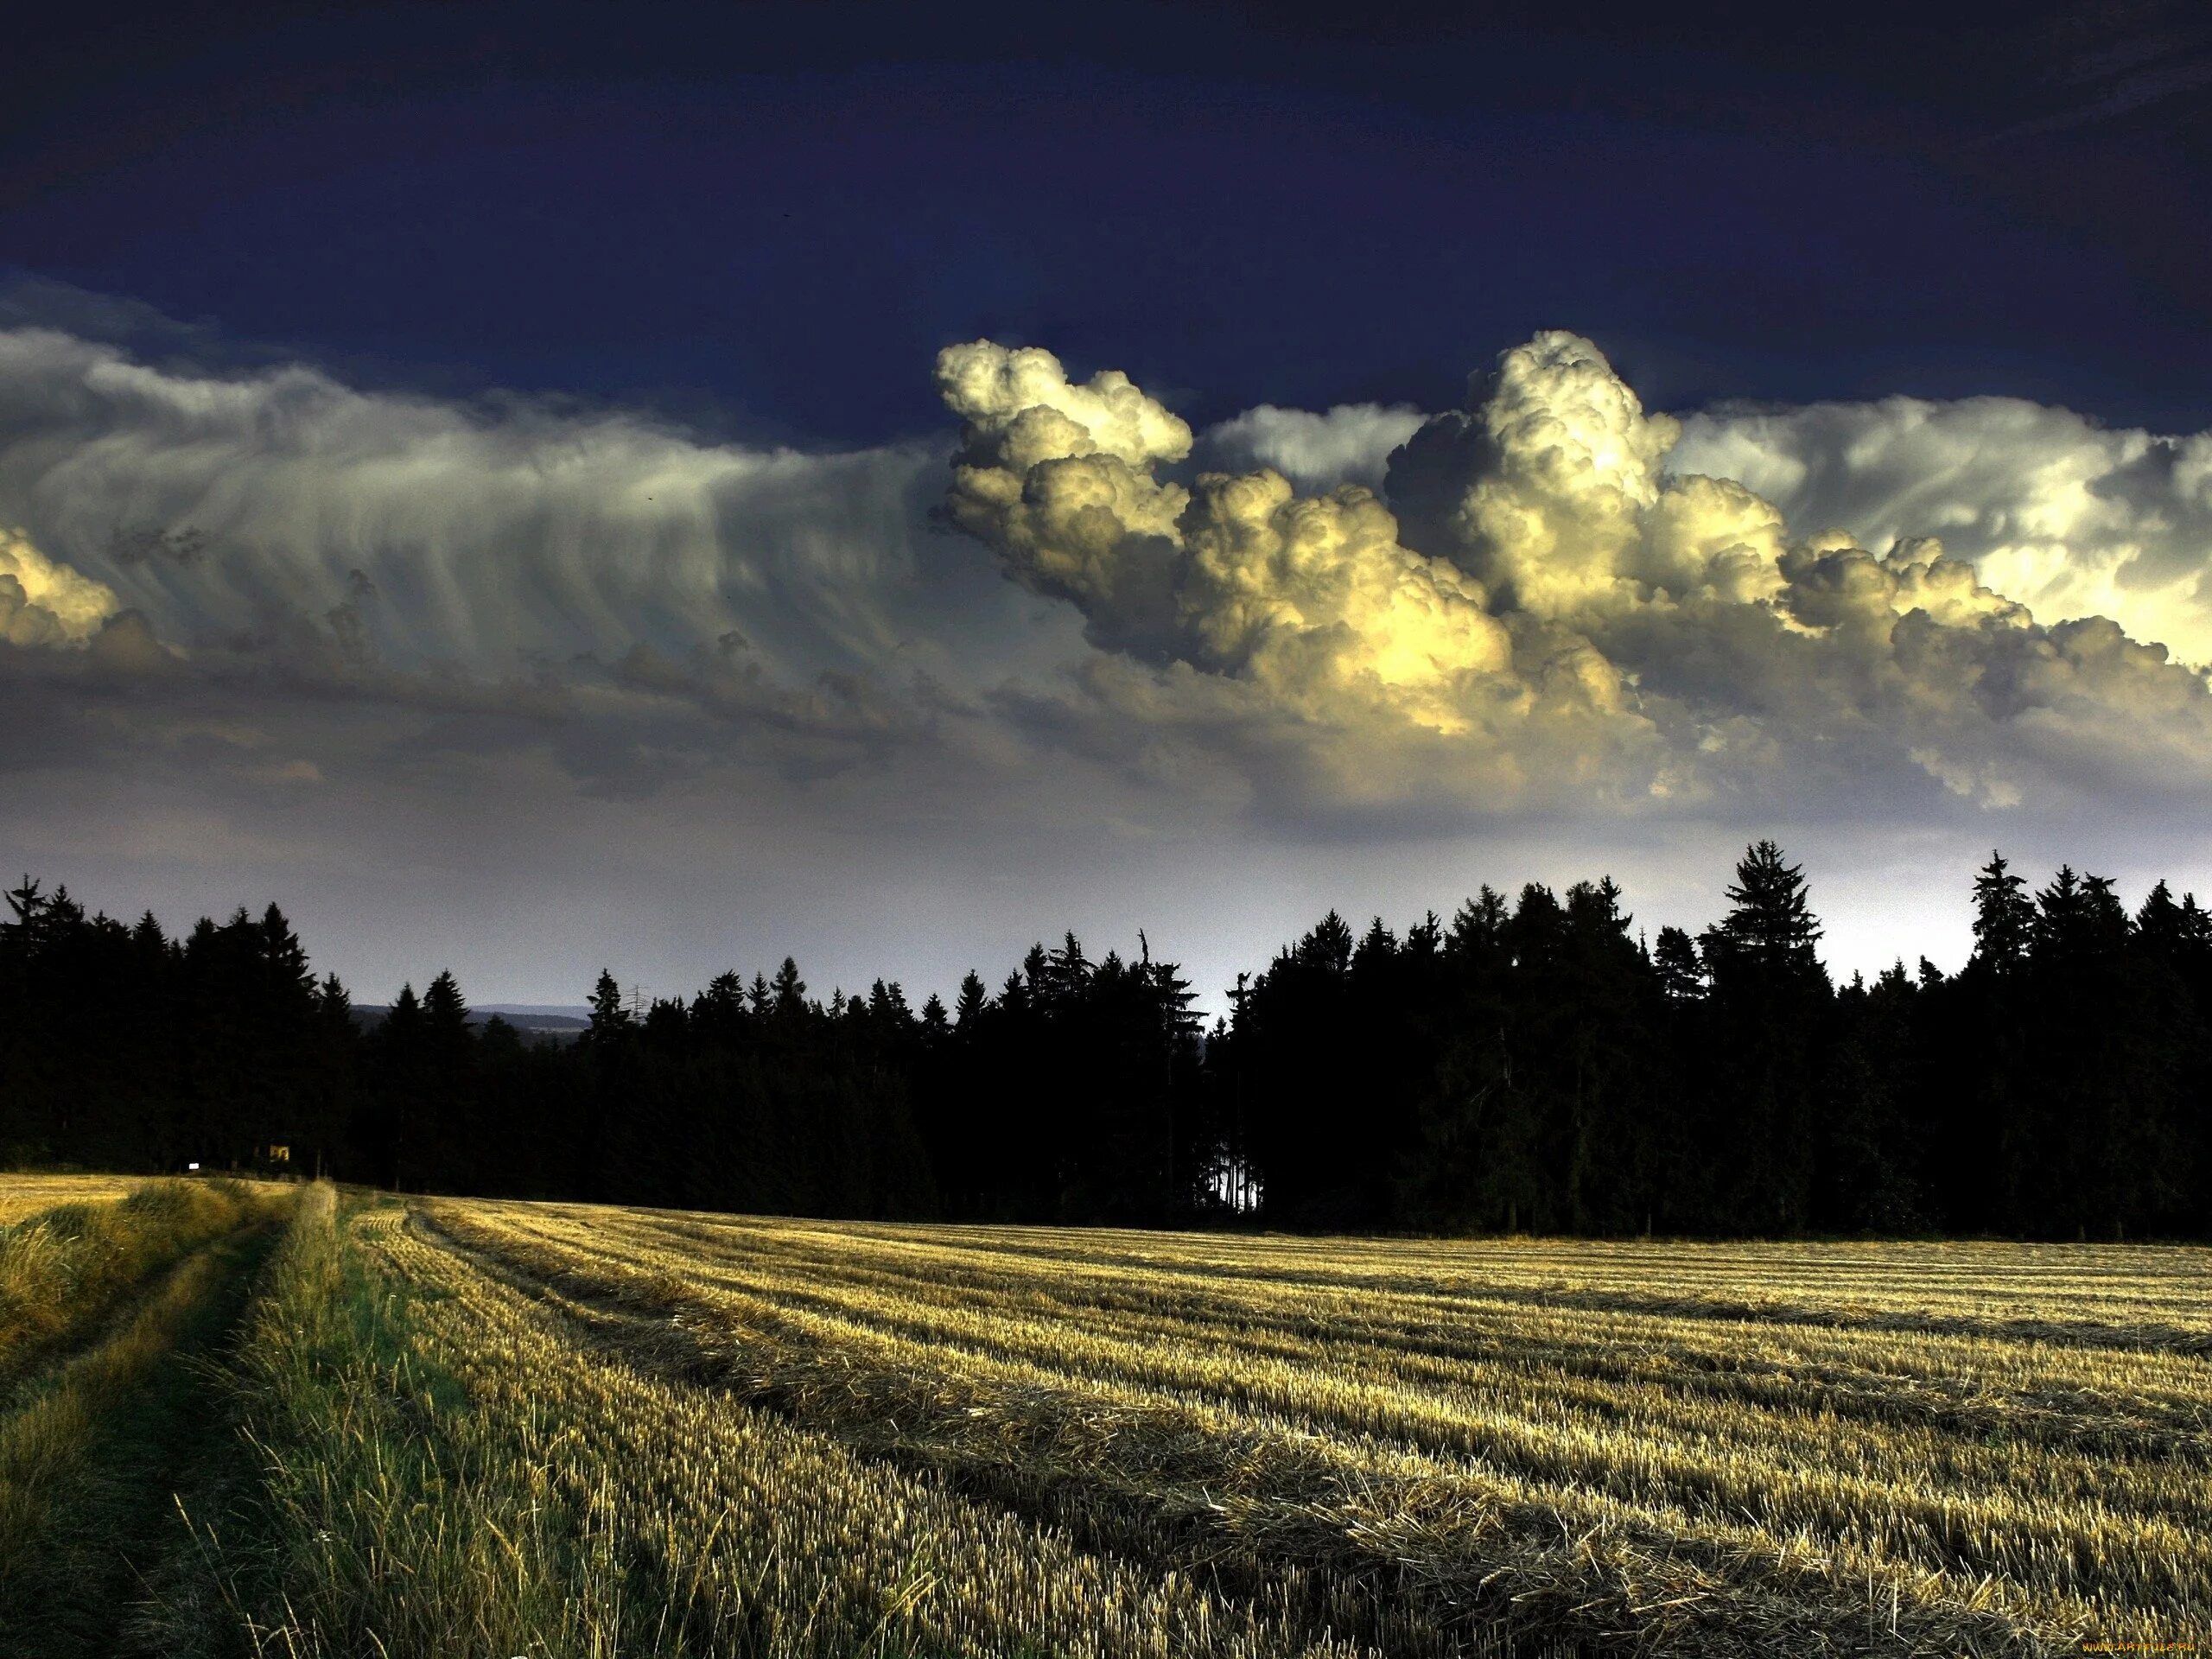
265 617
278 538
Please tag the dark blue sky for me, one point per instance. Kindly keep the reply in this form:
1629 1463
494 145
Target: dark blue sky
768 220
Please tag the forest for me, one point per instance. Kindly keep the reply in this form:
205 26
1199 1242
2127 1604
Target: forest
1532 1065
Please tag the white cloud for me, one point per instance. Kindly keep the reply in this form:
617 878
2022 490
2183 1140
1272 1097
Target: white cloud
1309 596
2068 517
1551 611
640 604
1347 444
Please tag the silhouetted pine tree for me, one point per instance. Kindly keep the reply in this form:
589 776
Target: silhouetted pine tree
1770 998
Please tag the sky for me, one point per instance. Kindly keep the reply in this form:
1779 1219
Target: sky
537 487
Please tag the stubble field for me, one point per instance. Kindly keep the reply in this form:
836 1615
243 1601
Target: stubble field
23 1196
451 1426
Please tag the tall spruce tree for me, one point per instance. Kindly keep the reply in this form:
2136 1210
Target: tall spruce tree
2004 919
1772 998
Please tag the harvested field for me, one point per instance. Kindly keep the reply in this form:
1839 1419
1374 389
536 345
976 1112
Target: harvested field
23 1196
1437 1448
465 1427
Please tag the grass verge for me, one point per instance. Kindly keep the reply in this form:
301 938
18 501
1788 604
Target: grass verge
388 1517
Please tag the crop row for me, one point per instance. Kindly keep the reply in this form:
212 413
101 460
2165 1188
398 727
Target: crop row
1692 1519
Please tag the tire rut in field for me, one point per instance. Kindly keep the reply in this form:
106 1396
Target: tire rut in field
1155 1481
106 1518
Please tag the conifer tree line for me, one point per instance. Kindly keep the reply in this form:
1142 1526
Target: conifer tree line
1533 1063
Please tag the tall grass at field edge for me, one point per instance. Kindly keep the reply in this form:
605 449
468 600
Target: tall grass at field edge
64 1270
95 1447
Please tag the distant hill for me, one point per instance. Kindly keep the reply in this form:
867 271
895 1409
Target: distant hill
535 1016
554 1021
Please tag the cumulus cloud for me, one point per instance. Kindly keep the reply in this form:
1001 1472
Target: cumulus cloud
2068 517
46 603
1547 605
1310 597
2071 517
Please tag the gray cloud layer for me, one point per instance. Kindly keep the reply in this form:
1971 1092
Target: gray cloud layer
278 538
481 533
